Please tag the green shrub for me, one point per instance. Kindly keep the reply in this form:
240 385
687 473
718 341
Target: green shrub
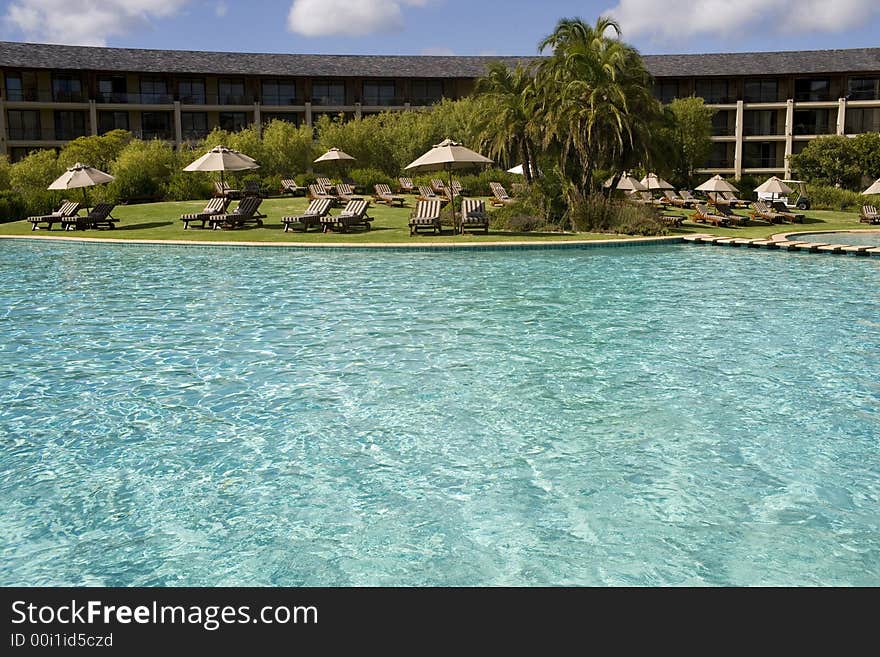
142 170
824 197
366 178
189 186
12 206
31 176
5 171
596 213
97 151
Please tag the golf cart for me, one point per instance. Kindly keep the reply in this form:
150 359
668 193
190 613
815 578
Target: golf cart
799 188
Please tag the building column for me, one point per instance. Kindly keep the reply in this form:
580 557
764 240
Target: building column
4 135
357 111
93 117
309 114
789 135
738 146
178 125
406 107
257 119
841 116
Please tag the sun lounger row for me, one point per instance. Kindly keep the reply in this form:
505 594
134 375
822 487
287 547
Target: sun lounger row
317 214
68 216
427 213
216 214
869 215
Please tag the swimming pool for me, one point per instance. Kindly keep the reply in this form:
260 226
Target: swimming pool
624 416
852 238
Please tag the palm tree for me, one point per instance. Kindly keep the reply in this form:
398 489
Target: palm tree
506 113
596 109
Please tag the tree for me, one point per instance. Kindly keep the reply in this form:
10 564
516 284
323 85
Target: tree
97 151
505 115
32 175
690 136
596 110
832 160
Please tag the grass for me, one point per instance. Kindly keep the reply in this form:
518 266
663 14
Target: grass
160 221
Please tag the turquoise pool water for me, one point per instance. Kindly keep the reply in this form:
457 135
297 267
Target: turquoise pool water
632 416
845 237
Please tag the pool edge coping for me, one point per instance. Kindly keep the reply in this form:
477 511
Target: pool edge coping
401 246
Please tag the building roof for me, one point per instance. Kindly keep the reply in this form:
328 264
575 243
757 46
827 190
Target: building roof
48 56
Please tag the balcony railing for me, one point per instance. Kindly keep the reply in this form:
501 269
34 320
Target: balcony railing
328 100
148 135
279 100
760 131
135 98
374 101
25 135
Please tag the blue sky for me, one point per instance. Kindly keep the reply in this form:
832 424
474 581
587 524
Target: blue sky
438 26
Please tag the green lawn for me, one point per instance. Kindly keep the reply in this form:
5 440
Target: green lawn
160 221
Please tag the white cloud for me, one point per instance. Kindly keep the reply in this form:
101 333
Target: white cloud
220 9
671 20
89 23
347 17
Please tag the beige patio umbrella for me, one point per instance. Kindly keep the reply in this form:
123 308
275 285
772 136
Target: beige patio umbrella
773 185
81 175
222 159
447 156
717 184
873 189
627 183
334 155
652 181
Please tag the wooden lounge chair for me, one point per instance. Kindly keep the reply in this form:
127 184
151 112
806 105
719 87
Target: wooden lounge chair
645 198
733 201
425 216
671 220
345 192
869 215
703 214
253 188
383 195
245 213
325 182
782 208
458 189
358 189
406 186
99 217
289 186
474 216
439 187
68 209
499 194
687 197
354 214
215 206
677 200
427 194
761 211
311 217
223 189
732 218
320 192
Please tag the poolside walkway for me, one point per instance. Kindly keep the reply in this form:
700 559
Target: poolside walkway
787 242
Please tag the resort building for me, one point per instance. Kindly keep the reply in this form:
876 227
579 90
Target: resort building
770 105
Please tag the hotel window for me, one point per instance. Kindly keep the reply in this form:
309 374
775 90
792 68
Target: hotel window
815 122
156 125
233 121
154 90
69 125
24 124
279 92
812 89
760 122
759 155
21 86
109 121
191 91
231 92
328 93
67 88
112 89
721 124
426 92
864 89
862 119
668 90
380 93
194 125
720 158
714 91
761 91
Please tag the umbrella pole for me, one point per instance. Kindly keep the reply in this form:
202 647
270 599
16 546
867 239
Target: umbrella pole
452 200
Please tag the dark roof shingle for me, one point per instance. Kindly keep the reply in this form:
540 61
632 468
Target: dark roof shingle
48 56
